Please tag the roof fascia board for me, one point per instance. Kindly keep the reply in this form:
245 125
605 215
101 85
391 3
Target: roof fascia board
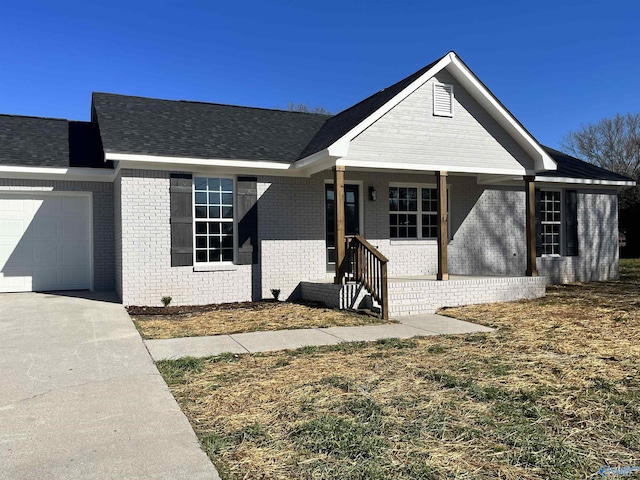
209 168
321 165
510 180
390 166
58 173
313 158
200 162
488 101
585 181
484 179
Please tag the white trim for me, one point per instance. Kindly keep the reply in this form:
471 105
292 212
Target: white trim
211 171
430 167
585 181
224 265
204 162
561 223
419 212
58 173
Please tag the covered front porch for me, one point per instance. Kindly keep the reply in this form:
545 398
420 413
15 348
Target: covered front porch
362 273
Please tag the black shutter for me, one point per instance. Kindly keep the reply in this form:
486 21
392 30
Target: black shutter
181 220
247 211
571 223
538 200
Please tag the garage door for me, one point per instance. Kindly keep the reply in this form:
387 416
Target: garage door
45 242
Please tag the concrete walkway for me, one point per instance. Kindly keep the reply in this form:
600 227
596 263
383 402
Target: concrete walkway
80 397
408 327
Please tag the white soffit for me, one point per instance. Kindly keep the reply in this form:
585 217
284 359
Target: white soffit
58 173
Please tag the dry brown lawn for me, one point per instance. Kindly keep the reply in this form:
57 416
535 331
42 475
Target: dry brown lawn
554 393
249 317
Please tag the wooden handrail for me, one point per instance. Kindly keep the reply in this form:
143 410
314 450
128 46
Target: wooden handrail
369 267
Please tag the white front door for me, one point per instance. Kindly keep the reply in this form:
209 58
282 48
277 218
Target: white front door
45 242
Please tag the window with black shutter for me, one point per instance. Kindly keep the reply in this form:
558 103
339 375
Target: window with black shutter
181 220
571 223
247 214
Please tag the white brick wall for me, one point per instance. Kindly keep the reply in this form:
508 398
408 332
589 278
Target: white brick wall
487 230
597 242
103 232
413 298
291 233
146 272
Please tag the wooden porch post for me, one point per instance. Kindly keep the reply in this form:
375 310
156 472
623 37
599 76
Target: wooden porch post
530 195
443 218
338 221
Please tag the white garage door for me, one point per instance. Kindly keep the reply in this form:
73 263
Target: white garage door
44 242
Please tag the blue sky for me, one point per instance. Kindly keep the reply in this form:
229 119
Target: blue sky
554 64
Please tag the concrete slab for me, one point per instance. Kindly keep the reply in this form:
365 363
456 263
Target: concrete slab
441 325
374 332
81 398
284 339
193 347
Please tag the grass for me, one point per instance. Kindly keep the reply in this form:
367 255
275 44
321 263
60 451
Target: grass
259 316
553 393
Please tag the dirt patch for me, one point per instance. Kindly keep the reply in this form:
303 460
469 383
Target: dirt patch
224 319
554 393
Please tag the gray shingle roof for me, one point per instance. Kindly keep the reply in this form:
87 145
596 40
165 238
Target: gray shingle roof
49 142
148 126
571 167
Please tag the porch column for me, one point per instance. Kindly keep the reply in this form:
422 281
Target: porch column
530 195
443 218
338 221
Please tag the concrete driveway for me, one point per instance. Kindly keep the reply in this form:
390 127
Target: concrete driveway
80 397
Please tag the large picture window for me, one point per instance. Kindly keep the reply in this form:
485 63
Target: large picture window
213 216
413 212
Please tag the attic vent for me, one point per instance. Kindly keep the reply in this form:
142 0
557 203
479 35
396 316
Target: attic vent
443 100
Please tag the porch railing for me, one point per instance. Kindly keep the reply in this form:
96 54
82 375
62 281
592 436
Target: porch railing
366 265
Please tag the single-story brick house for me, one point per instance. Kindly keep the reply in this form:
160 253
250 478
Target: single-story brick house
215 203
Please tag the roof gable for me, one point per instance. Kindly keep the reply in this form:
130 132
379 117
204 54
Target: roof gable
347 125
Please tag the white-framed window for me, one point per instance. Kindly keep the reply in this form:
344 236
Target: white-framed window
214 228
443 99
550 221
557 222
413 211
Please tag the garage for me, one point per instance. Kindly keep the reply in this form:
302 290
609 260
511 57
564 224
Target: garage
45 241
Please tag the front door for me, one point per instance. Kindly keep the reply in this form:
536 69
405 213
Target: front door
352 218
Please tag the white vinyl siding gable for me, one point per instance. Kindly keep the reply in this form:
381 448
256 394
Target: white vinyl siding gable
410 134
443 100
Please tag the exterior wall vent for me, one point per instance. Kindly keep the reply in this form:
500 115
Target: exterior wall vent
443 100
